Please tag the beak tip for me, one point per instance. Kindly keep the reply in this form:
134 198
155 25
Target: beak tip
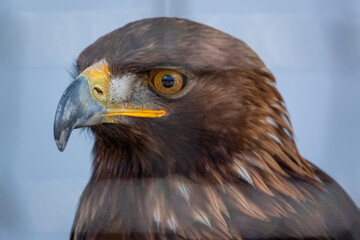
60 147
61 139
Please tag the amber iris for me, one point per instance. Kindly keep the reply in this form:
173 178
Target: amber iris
168 82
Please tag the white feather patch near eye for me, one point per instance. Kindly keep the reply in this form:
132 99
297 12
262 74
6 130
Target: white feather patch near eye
121 89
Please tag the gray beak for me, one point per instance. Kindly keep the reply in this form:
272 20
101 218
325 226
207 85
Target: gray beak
76 109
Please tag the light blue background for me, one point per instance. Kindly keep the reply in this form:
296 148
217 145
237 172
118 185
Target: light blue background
311 46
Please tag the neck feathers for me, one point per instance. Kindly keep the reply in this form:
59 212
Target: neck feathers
136 188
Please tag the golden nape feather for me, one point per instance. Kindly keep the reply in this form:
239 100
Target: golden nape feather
192 141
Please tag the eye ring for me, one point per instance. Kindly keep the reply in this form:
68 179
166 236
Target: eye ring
168 83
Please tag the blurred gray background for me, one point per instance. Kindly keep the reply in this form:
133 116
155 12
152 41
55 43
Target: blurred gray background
311 46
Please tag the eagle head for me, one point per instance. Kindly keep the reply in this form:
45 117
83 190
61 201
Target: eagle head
192 139
181 94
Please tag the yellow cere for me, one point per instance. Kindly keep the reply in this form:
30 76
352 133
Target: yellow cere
99 81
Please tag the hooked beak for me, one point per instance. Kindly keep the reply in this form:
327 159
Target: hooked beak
84 103
76 109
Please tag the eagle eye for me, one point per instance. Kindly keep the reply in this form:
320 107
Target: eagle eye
168 83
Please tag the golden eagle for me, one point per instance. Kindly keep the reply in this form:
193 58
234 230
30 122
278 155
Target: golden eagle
192 141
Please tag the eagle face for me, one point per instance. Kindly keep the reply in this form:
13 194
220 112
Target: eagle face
158 80
192 141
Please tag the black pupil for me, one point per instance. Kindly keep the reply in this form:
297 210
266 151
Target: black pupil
167 81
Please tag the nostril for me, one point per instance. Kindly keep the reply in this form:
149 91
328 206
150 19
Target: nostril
98 90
